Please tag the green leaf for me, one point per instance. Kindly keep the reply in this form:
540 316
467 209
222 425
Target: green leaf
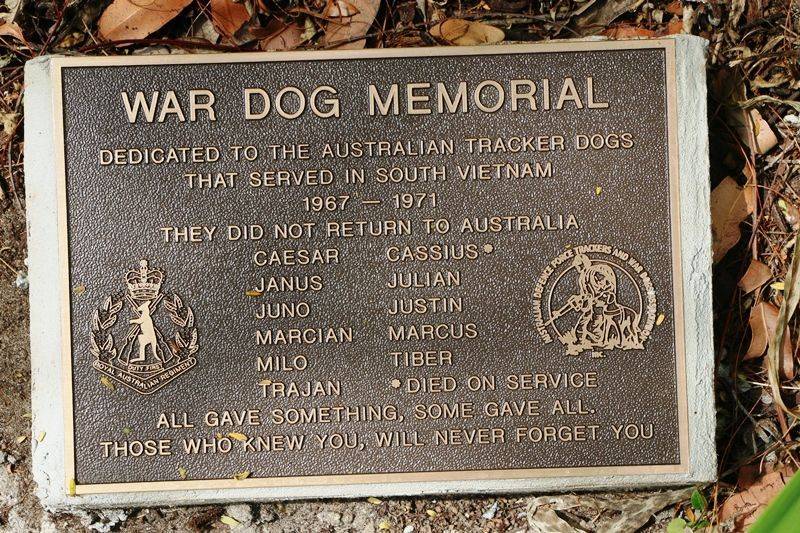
699 502
676 525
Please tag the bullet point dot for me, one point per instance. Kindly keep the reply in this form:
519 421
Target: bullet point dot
488 248
396 383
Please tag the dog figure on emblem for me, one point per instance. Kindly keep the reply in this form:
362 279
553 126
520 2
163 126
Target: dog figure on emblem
147 332
603 323
144 295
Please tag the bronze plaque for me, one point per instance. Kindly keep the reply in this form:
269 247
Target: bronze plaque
400 265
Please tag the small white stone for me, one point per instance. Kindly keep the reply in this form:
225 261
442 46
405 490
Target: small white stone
22 280
330 518
489 514
9 489
240 512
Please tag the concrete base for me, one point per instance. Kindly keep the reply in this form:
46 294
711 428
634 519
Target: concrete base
48 455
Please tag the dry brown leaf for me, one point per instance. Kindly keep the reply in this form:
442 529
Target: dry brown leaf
241 475
765 139
730 88
728 209
136 19
450 30
229 521
745 506
356 20
228 16
674 26
12 29
754 131
107 383
763 321
750 186
787 363
633 510
285 37
757 275
626 31
466 33
340 8
763 318
600 16
675 7
776 360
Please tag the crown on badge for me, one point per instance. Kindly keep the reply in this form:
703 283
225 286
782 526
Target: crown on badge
145 283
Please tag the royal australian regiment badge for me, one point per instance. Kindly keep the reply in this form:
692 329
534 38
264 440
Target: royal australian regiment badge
148 359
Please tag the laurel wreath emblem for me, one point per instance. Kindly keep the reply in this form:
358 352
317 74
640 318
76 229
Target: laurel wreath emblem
103 319
182 317
101 342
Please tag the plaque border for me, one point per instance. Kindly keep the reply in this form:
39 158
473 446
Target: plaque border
564 46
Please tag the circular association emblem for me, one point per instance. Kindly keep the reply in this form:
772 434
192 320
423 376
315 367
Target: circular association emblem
594 298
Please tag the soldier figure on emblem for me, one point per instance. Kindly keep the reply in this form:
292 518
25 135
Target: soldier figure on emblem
603 323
